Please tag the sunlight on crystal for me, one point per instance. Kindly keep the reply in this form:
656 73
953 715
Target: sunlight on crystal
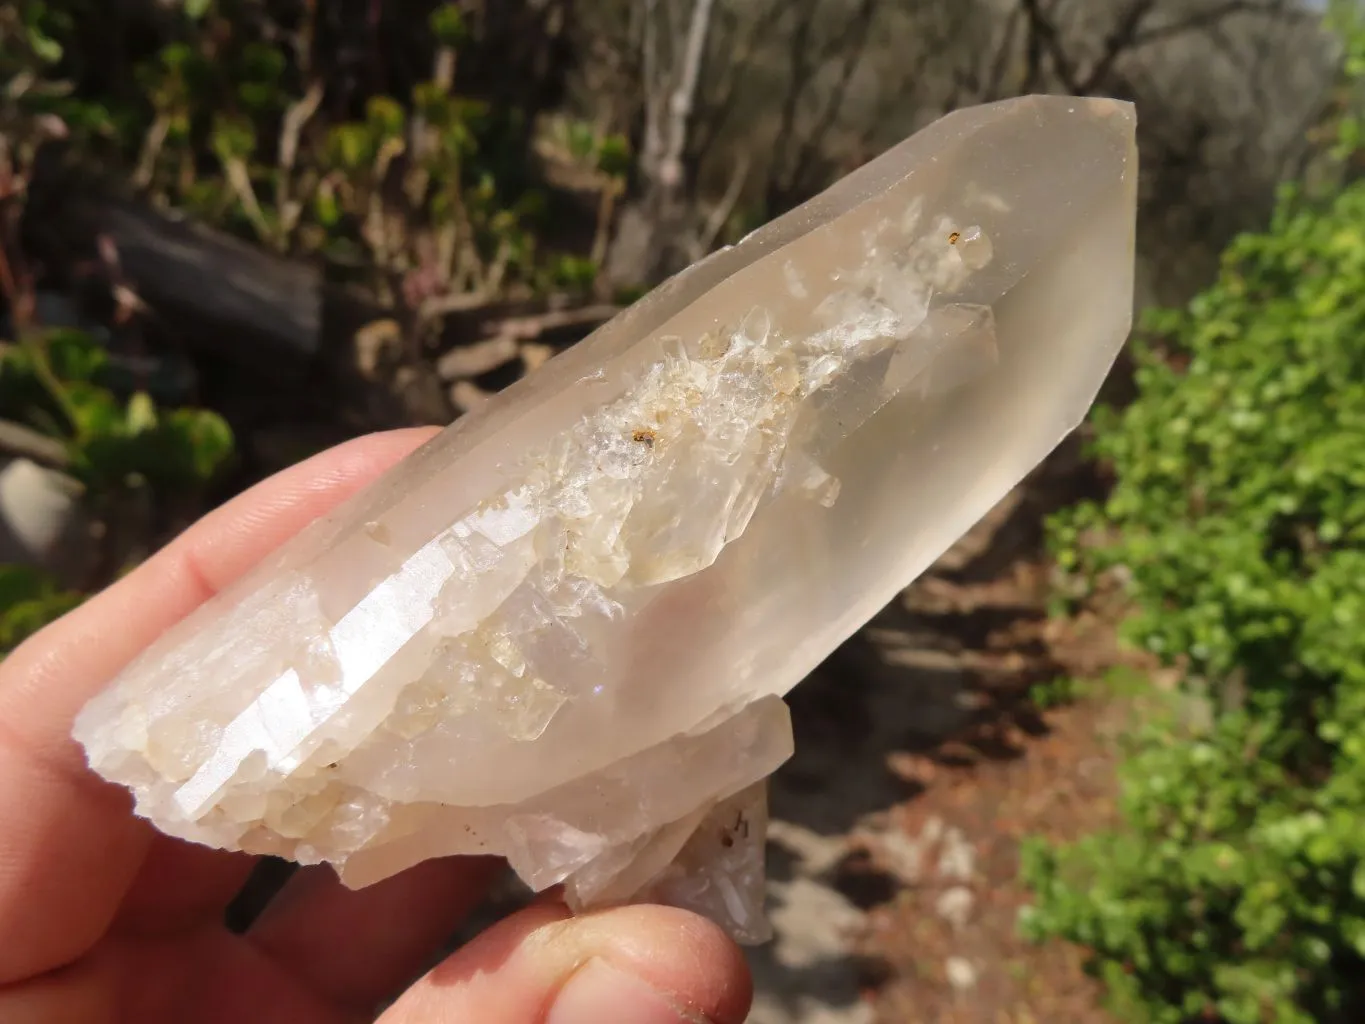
560 632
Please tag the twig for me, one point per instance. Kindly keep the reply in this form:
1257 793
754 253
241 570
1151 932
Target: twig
799 69
652 152
444 305
478 358
1212 16
239 178
295 120
706 133
720 213
27 443
151 149
525 328
852 43
680 104
606 209
1044 38
1002 56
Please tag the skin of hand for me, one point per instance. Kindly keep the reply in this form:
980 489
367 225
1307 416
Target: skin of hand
103 919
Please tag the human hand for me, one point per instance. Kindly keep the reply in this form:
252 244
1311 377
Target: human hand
103 919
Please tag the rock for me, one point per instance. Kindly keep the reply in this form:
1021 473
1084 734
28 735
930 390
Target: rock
42 520
961 973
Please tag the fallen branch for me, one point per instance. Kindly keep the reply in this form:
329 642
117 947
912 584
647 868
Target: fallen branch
23 442
212 291
528 328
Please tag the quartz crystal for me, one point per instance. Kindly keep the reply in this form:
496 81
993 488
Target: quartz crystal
560 632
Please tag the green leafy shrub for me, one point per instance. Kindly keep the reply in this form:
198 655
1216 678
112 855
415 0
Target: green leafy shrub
53 383
122 453
252 117
29 600
1235 888
1057 692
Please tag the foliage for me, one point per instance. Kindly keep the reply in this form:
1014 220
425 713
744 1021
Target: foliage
253 117
1235 890
29 600
318 136
119 451
1057 692
52 382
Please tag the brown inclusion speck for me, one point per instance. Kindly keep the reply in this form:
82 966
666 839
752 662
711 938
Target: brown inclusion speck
644 436
952 239
715 344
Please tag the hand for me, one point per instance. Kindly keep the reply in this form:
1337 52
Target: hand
102 919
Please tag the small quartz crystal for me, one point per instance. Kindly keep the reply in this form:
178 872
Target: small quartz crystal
560 632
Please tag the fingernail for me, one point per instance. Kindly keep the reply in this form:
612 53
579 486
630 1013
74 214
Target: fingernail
598 993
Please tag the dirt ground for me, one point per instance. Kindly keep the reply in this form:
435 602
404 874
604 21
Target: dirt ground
920 764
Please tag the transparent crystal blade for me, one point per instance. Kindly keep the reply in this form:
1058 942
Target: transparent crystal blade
559 631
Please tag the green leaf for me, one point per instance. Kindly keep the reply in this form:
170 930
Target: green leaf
74 355
29 600
1234 884
141 413
207 437
351 147
448 25
385 116
613 156
44 47
233 138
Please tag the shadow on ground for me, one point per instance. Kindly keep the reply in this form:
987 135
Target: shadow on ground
941 677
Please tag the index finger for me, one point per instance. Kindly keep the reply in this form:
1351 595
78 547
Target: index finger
70 846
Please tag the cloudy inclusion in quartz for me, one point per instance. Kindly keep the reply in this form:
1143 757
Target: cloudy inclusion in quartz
645 491
423 683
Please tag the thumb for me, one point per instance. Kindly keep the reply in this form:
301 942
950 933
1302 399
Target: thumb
629 965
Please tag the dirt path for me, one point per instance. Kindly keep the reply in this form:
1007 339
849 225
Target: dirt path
920 764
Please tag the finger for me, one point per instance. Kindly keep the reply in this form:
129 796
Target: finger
359 947
207 976
70 846
636 965
181 884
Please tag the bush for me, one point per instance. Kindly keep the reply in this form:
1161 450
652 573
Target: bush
310 138
1235 888
131 461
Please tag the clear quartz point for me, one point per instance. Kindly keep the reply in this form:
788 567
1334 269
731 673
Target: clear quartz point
560 631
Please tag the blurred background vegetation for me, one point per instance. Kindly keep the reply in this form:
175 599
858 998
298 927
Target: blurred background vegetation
233 232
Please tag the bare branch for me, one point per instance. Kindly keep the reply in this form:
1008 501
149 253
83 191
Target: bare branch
152 145
1000 63
652 151
738 62
295 120
852 45
17 439
1215 15
799 71
1124 38
239 179
720 213
1129 34
1045 40
680 105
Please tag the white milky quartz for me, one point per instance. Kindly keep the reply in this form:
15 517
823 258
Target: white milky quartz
561 631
